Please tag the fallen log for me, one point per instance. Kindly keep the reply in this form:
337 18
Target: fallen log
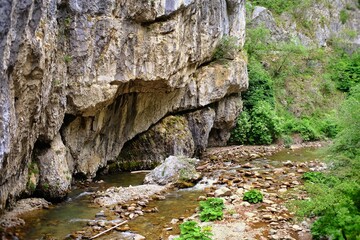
99 234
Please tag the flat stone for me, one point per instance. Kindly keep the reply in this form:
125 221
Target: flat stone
267 217
296 227
222 192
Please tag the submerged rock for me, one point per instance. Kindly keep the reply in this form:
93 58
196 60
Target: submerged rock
177 170
120 195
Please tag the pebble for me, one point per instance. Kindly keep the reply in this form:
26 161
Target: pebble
245 204
174 221
101 223
296 227
201 198
268 201
138 237
222 192
267 217
100 214
249 214
247 165
131 208
123 228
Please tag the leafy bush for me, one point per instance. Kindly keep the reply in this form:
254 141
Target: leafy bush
307 130
211 209
260 85
191 230
345 71
329 128
348 140
265 126
242 130
314 177
227 48
319 177
344 16
261 126
257 42
253 196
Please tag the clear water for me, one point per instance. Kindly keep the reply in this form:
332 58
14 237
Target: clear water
70 216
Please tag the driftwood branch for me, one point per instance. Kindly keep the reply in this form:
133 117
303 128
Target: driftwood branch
99 234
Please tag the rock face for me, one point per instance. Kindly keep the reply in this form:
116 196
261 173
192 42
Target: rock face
178 170
88 76
171 136
317 25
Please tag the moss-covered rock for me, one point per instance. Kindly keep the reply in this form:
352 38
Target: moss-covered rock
177 170
171 136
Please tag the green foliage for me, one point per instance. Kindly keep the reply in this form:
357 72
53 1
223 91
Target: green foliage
348 140
265 126
257 41
67 58
253 196
211 209
344 16
335 196
277 6
242 130
260 126
345 71
30 186
260 85
190 230
314 177
307 130
226 49
33 168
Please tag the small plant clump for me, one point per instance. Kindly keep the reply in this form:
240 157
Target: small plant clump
211 209
226 49
191 230
253 196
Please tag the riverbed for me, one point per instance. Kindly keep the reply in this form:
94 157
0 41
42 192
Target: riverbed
275 174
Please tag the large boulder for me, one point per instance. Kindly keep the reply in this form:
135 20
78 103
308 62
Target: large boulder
177 170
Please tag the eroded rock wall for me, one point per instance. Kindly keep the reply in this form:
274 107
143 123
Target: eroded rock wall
80 78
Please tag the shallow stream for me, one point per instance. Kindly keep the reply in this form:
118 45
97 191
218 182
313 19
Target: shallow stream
72 215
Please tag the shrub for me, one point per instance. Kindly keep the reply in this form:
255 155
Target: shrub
226 49
307 129
261 126
335 197
345 71
265 124
191 230
253 196
344 16
260 85
242 130
211 209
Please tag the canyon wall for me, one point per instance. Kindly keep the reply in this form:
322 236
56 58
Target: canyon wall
79 79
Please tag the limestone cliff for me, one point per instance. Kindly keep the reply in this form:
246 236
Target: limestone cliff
315 23
80 78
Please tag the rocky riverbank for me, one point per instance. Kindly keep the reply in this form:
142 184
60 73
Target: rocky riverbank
227 173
